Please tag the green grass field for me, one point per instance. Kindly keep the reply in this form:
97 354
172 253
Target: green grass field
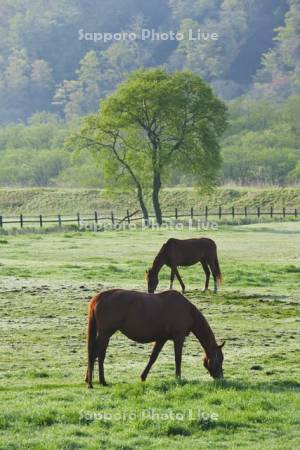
45 284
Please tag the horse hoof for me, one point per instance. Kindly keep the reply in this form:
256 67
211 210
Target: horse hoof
90 386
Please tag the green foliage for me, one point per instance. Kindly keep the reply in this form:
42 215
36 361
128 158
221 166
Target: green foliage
261 146
262 143
44 66
32 168
281 65
47 74
34 155
245 30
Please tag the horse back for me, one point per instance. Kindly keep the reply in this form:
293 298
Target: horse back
181 252
143 317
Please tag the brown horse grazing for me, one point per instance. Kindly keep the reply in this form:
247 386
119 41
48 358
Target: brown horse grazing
148 318
177 252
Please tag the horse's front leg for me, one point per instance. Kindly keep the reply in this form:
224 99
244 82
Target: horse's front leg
155 352
172 276
179 279
178 344
102 346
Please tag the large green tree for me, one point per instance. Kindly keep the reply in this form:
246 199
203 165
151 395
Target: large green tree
153 124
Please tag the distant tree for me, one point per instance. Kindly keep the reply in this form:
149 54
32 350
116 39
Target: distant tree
280 71
294 175
212 59
41 84
16 84
197 9
98 75
154 123
41 74
32 167
261 144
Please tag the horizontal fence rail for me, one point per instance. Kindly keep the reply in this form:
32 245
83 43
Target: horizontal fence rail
116 220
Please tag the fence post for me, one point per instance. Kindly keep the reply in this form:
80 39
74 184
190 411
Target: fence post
96 217
220 212
233 212
192 213
271 212
128 216
296 215
41 220
78 219
21 220
283 212
258 212
1 222
112 218
59 220
176 213
246 212
206 212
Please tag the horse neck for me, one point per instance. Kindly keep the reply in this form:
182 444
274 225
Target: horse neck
204 333
159 261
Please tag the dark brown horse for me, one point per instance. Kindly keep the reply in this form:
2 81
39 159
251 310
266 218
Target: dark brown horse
148 318
177 252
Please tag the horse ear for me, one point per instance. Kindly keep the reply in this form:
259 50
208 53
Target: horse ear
222 345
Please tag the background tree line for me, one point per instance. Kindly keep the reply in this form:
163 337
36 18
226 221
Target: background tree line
49 80
44 67
260 146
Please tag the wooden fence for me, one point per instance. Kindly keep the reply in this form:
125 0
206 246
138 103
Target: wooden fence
117 219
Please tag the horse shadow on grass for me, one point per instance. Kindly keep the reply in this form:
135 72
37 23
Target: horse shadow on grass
226 384
167 385
270 386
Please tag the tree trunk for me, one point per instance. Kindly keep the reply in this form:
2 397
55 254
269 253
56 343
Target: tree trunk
155 197
143 206
138 186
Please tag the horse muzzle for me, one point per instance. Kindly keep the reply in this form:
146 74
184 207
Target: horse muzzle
220 376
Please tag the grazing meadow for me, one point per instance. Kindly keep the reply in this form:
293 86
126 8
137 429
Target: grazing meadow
46 281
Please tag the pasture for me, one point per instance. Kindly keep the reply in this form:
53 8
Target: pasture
46 281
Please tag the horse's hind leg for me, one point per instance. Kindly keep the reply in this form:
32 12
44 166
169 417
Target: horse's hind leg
155 352
207 274
102 342
179 278
90 368
214 272
89 372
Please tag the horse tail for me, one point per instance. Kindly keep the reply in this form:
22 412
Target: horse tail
91 341
219 273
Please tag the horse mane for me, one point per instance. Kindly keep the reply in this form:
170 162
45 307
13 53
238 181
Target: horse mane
159 258
203 331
